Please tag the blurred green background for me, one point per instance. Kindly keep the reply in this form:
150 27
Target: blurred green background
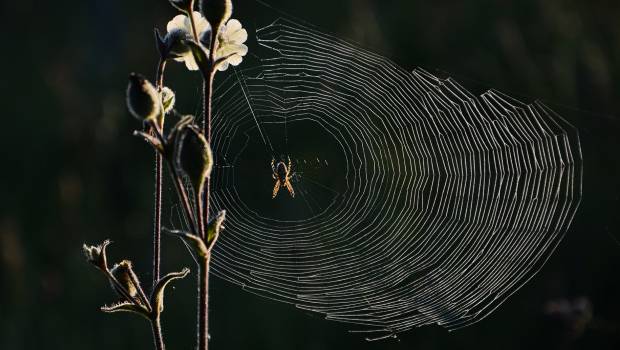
72 172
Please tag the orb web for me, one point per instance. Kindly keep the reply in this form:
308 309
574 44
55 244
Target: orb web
416 202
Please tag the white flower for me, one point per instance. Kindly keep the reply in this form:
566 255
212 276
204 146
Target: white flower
230 44
181 24
231 39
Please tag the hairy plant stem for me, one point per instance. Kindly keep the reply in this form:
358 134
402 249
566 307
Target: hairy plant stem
184 197
190 14
157 229
159 79
203 300
158 337
206 127
156 319
203 279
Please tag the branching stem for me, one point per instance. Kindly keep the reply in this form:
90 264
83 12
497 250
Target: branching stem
203 283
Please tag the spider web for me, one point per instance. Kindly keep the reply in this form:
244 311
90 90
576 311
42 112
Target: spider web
417 203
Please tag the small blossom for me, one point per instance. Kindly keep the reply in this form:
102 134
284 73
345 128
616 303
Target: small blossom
179 29
231 39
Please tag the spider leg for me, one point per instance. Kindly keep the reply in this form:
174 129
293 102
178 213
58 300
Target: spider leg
276 189
289 164
289 187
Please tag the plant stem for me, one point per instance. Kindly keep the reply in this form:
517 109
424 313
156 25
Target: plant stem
203 283
203 300
157 334
157 230
190 14
206 129
184 199
159 78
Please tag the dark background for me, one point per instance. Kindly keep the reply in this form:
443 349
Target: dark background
72 172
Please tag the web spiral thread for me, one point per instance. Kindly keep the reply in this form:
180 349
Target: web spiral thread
417 203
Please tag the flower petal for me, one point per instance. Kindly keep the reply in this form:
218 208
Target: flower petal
233 25
223 66
238 36
235 60
177 23
202 25
190 62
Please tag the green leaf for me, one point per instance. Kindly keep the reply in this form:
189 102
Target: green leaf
197 243
150 139
157 298
126 307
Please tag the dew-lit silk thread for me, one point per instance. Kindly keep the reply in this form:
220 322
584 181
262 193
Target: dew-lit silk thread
450 203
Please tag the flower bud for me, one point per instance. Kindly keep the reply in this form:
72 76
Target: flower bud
215 226
142 98
124 274
217 12
192 155
96 255
168 99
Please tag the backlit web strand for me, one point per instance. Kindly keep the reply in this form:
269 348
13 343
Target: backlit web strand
416 203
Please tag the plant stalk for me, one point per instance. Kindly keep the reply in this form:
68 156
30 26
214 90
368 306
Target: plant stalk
203 300
206 127
157 334
159 79
203 278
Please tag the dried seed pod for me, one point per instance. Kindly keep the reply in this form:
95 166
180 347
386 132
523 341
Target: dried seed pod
96 255
123 272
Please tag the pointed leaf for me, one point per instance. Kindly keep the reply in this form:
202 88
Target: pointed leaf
126 307
196 242
150 139
160 43
157 299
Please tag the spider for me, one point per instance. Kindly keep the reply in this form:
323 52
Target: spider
282 174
